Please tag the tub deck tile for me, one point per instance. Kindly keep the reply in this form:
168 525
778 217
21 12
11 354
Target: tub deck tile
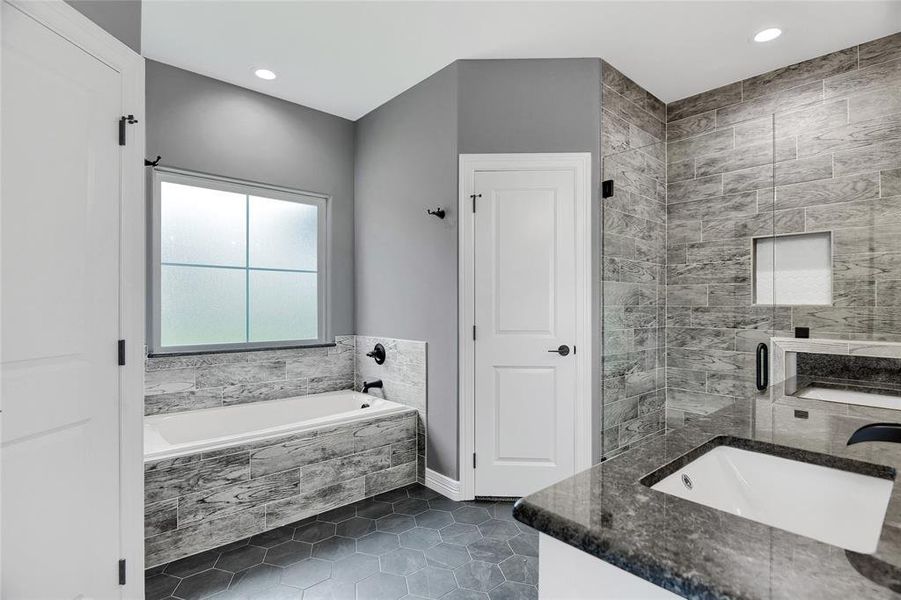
298 453
234 498
311 503
162 483
353 466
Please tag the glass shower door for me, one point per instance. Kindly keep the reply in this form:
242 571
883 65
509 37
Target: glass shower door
632 248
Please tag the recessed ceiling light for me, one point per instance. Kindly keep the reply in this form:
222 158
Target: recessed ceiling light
267 74
767 35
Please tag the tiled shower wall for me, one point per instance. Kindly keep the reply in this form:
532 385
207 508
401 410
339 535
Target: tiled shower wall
633 154
404 377
837 132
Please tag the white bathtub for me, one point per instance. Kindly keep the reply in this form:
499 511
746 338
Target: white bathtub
184 433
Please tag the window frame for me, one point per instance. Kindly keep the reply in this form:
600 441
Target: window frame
226 184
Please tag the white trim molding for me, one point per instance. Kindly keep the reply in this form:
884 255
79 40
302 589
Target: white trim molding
580 164
443 484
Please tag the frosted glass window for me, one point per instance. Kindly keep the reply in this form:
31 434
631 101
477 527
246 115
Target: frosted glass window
793 269
202 306
238 265
202 226
283 235
283 306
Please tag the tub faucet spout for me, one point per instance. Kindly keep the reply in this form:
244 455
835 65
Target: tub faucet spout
368 385
877 432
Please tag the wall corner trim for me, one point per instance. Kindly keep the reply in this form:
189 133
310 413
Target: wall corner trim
444 485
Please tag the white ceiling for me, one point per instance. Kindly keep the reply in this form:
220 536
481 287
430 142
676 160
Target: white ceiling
348 58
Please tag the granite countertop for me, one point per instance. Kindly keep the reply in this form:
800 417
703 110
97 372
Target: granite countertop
700 552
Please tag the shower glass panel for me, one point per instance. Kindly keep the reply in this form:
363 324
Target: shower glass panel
632 247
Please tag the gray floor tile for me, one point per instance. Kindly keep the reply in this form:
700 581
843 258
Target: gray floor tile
338 515
378 542
203 584
460 533
288 553
489 550
255 580
382 586
436 519
274 537
422 492
402 561
420 538
461 594
431 582
374 510
502 530
159 586
479 576
442 503
514 591
314 532
521 569
393 495
525 544
449 556
330 589
185 567
307 573
355 567
355 527
471 514
395 523
411 506
241 558
334 548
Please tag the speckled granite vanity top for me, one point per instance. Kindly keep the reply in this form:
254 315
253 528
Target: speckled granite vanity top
701 552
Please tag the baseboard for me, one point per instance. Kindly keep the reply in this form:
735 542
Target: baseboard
443 484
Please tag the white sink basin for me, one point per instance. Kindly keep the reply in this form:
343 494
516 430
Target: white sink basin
837 507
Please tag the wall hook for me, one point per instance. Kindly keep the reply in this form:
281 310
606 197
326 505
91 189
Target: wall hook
438 212
152 163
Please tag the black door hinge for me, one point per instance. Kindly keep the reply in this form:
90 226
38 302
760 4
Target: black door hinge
123 121
121 571
121 353
474 196
473 460
607 189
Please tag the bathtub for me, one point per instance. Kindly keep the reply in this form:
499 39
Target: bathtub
219 475
179 434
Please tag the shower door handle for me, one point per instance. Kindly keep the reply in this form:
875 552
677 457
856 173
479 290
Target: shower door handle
763 366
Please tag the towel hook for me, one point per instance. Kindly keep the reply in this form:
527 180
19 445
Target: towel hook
152 163
438 212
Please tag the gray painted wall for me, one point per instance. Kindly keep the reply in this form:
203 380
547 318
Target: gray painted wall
121 18
406 161
406 261
206 125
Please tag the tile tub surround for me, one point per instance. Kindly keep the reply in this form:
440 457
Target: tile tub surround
403 376
200 501
700 552
191 382
837 147
633 261
407 541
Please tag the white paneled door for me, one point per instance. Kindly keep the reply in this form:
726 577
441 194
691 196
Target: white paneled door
61 190
525 288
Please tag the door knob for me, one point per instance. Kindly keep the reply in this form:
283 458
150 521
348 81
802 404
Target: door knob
562 350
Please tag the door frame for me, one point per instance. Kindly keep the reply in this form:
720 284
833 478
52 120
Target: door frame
579 163
70 24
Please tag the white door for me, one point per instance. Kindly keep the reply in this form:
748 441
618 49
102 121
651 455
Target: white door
525 311
60 316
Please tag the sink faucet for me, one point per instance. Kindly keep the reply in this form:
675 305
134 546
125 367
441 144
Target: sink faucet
367 385
877 432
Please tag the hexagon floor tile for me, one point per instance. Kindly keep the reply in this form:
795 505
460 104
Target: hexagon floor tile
407 543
